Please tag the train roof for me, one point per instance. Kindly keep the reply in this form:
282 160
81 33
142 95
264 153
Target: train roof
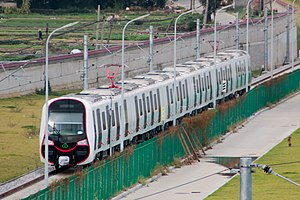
150 78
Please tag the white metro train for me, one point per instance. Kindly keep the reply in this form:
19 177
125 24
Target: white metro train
85 126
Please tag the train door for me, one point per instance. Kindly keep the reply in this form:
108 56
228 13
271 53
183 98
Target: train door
243 76
199 90
187 95
117 116
148 110
196 91
159 103
99 128
151 108
210 85
224 87
144 124
128 124
137 114
238 75
168 108
184 98
105 133
180 97
229 79
111 118
95 130
204 91
208 89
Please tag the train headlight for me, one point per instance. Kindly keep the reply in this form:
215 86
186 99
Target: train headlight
83 142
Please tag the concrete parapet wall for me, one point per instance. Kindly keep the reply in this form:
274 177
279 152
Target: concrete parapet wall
65 70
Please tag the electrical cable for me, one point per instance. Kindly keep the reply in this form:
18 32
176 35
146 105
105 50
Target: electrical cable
267 169
183 184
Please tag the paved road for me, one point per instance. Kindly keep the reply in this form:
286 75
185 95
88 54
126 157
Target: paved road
258 136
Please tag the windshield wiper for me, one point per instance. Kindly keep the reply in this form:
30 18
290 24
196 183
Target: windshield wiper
56 131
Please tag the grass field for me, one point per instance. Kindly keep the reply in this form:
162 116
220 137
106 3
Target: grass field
19 33
283 160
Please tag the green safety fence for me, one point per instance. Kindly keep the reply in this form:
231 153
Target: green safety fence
109 177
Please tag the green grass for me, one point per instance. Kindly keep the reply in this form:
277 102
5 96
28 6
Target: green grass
24 27
19 142
269 186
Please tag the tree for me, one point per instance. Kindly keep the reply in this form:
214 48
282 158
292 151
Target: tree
25 6
213 5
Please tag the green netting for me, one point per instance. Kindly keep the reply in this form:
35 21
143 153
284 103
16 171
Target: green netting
114 175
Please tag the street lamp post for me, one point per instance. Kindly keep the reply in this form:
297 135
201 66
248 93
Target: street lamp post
46 101
215 52
174 65
272 37
293 23
122 84
247 42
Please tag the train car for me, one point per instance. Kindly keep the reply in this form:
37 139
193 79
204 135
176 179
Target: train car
87 126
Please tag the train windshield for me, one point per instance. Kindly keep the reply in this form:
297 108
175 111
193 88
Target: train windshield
66 118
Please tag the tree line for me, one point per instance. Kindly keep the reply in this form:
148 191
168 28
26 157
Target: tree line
92 4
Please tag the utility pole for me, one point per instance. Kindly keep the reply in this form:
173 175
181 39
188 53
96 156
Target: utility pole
237 37
288 33
151 49
266 38
198 50
85 64
245 178
97 29
102 29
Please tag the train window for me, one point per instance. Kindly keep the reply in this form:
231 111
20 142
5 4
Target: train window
126 117
180 90
159 110
145 110
141 108
155 102
137 113
171 94
207 83
194 84
197 86
113 122
148 104
108 116
209 74
187 95
118 120
183 91
222 75
99 128
202 83
177 92
108 124
180 96
103 121
95 129
152 108
168 100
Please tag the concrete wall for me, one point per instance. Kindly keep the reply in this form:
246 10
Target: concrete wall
65 71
